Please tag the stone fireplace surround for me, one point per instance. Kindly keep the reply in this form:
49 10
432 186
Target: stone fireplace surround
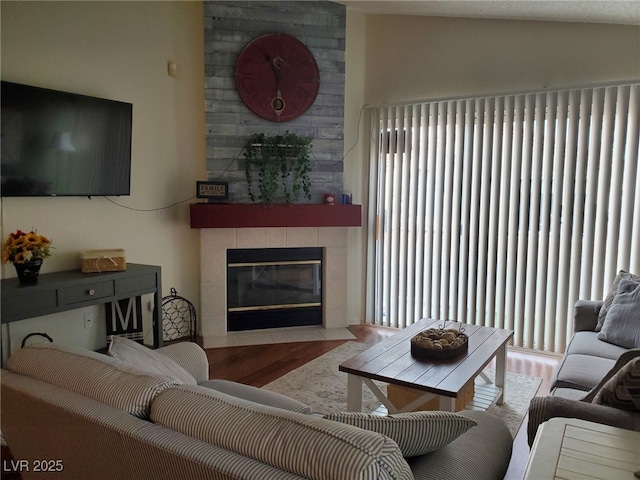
214 243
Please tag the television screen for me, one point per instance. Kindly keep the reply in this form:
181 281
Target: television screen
63 144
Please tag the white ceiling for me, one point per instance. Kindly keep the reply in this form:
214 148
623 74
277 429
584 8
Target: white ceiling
586 11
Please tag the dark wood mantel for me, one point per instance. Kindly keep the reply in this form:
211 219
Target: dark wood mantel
242 215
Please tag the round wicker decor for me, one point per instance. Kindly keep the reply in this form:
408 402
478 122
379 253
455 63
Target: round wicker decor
439 343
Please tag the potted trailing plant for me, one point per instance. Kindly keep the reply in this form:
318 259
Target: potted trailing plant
280 160
26 251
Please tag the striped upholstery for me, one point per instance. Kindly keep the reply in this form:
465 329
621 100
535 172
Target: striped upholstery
91 374
97 442
416 433
189 356
311 447
258 395
483 453
144 358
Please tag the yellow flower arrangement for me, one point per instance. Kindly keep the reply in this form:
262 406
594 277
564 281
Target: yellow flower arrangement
22 247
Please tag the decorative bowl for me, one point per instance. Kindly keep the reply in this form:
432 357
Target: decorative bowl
435 343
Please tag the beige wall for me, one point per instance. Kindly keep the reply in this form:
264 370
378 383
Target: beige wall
116 50
394 59
416 58
356 147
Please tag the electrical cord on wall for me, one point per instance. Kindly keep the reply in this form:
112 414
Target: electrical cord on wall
337 162
232 161
150 209
178 202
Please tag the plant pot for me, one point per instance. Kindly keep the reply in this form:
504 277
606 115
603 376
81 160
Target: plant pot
280 150
28 271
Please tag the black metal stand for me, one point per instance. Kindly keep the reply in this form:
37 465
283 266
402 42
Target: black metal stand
178 318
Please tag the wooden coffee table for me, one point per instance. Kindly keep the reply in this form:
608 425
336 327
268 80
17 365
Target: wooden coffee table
390 361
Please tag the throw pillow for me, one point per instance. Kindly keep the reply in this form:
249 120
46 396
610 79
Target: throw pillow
416 433
622 324
623 389
147 359
608 299
92 374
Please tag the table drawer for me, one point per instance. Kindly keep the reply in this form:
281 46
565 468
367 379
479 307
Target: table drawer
86 292
32 304
139 283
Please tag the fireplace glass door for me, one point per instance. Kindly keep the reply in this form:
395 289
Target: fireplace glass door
274 287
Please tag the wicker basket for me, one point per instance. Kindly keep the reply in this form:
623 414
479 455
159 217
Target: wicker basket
98 261
420 350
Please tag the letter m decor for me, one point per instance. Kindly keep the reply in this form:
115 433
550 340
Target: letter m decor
124 318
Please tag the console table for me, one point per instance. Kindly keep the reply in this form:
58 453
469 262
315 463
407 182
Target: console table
71 289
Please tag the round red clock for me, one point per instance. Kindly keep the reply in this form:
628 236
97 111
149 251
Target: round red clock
277 77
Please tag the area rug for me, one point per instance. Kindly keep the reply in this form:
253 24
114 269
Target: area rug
322 386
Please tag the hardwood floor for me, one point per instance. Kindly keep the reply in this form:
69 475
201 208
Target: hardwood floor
260 364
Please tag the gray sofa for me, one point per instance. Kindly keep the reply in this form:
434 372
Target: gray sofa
587 365
95 416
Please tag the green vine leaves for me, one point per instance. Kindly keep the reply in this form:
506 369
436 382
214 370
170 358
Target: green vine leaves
281 160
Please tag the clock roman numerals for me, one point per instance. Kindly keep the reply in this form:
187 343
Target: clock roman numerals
305 62
252 89
254 92
277 77
303 93
249 75
277 46
264 102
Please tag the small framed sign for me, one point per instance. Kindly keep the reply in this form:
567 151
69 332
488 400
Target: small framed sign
124 318
212 190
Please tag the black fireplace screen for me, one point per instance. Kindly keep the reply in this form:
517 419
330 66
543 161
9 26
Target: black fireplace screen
274 287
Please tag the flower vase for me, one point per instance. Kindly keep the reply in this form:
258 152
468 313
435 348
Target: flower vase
28 271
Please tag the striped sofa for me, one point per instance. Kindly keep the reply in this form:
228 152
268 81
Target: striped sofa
94 416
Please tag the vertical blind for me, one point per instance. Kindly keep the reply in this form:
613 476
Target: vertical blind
503 211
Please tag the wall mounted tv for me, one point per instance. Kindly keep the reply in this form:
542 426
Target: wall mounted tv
63 144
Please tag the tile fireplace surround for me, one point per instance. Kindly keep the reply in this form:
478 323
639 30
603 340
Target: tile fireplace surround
214 243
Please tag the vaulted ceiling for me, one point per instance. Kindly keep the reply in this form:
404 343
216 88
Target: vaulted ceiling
586 11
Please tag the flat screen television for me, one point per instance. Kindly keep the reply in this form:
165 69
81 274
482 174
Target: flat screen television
63 144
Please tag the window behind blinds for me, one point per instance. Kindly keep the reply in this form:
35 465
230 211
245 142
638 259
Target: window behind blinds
503 211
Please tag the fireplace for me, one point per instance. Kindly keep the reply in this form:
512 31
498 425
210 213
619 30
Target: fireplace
229 227
274 288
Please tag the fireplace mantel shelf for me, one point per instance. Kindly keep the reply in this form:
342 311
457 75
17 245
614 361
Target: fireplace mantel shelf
242 215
